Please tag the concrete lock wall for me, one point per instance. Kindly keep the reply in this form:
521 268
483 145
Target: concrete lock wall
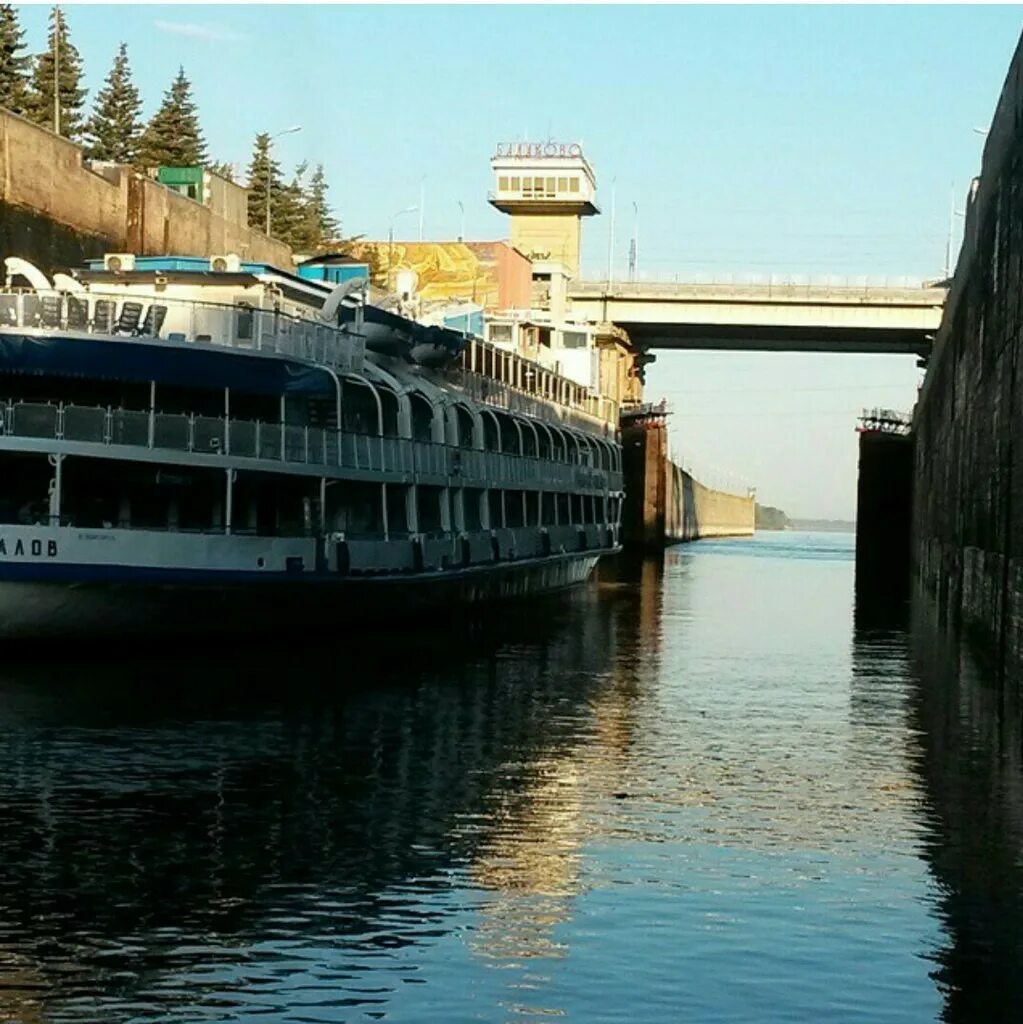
56 212
664 504
968 426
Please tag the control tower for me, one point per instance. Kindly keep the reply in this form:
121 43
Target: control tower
547 188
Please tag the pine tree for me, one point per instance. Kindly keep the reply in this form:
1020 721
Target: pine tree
285 199
292 222
13 64
114 130
326 227
173 138
223 168
39 106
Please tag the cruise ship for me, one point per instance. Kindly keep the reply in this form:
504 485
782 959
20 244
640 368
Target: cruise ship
198 446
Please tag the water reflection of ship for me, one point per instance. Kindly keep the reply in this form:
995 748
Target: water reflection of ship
968 766
529 860
210 796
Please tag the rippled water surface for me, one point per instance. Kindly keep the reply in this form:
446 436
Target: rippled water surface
711 790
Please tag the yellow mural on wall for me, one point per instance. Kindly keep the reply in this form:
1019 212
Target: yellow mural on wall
444 270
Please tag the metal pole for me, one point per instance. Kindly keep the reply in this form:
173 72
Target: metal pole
461 230
635 242
951 228
269 166
56 70
422 205
611 235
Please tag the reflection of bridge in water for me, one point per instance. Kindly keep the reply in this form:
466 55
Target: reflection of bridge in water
776 316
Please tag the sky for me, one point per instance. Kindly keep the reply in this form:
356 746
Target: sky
752 140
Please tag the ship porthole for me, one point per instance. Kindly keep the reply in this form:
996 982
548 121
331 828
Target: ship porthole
260 563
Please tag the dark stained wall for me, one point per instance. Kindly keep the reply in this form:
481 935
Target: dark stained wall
968 426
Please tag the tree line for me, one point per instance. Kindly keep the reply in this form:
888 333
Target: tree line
46 88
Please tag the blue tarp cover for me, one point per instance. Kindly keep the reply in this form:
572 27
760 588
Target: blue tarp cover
178 365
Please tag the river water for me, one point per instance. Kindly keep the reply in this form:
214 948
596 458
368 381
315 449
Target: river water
705 790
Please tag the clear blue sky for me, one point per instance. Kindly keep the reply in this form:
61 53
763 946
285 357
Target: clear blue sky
810 140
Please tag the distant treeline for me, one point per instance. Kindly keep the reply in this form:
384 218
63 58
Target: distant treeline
770 518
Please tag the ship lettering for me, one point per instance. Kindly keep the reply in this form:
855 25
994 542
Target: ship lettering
34 548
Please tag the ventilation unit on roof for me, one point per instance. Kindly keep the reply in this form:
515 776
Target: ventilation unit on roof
229 263
119 261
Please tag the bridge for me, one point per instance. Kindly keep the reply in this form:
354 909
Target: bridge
773 316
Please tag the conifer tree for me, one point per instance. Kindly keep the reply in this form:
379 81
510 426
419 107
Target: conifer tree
14 64
114 130
173 138
325 226
264 170
223 168
40 106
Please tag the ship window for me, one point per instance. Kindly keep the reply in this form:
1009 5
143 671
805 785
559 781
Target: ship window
500 333
494 503
573 184
561 505
422 417
243 322
465 426
502 184
472 509
550 186
532 508
538 184
513 509
562 184
547 509
573 339
430 509
516 184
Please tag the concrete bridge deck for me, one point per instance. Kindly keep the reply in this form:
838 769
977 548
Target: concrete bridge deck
773 317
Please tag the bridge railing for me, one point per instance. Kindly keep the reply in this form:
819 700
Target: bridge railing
863 282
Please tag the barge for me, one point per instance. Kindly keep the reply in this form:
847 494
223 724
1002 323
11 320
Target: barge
196 451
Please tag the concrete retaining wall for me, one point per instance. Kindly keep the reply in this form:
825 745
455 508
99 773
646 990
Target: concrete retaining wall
55 211
968 426
664 504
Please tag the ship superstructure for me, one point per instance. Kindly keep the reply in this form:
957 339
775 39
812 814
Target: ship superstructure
188 446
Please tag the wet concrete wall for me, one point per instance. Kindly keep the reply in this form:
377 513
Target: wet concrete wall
968 426
664 504
55 211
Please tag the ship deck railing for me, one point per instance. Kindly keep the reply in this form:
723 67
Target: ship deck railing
502 377
297 445
126 316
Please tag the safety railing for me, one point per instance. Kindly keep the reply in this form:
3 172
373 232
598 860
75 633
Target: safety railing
297 445
130 316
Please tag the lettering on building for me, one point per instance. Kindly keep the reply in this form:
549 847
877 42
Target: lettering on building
539 150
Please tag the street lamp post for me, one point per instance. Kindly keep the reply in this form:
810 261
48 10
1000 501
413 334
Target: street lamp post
390 238
269 168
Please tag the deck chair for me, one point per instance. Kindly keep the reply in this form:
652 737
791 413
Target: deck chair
77 314
9 315
49 311
153 321
128 321
32 310
103 316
